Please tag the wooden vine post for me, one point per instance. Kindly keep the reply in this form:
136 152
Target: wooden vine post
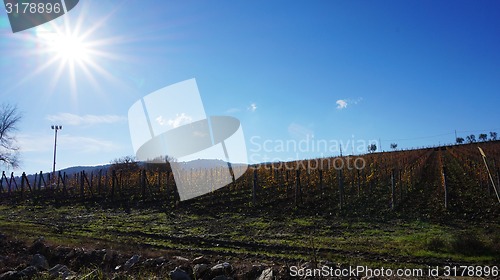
393 186
341 188
254 186
143 183
297 187
445 186
321 181
99 182
359 181
113 183
401 184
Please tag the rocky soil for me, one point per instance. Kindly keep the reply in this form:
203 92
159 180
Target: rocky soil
40 260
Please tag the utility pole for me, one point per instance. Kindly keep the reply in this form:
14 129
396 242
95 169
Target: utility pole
56 128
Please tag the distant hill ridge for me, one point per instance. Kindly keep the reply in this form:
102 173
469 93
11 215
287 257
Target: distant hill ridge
195 164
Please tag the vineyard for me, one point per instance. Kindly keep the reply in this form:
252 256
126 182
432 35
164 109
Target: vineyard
433 182
415 208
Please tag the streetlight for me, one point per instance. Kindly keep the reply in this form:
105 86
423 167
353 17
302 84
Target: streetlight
56 128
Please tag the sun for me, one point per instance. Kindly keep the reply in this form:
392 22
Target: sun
70 51
65 46
74 52
70 48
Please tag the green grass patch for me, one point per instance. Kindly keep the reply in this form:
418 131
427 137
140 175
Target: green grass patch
72 225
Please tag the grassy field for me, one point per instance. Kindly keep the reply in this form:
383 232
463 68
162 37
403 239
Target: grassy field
291 236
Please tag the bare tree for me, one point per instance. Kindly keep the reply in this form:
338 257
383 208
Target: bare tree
471 138
125 164
493 136
372 148
9 120
483 137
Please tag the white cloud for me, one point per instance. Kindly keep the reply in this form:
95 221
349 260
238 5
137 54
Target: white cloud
252 107
161 120
177 121
299 131
357 100
232 110
88 144
35 143
341 104
73 119
44 143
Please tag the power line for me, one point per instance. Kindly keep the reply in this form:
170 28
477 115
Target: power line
475 131
418 138
443 134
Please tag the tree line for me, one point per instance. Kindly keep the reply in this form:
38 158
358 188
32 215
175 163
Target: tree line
483 137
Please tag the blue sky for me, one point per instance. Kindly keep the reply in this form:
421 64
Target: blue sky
407 72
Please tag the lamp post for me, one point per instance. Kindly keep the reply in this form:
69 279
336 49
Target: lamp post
56 128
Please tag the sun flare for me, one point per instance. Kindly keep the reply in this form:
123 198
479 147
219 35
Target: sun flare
73 53
70 48
67 47
74 50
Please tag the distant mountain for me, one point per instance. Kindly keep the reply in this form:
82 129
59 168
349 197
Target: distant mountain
69 171
87 169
